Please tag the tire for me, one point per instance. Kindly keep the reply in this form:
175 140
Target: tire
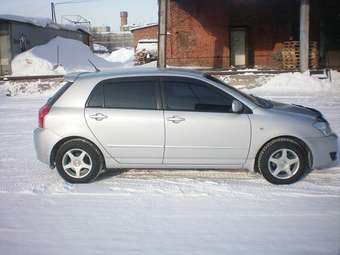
78 161
282 161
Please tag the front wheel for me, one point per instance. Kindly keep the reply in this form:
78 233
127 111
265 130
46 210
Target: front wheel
78 161
282 161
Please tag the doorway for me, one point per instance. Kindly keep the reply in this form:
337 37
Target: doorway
238 47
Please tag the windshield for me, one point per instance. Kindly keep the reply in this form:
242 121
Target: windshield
261 102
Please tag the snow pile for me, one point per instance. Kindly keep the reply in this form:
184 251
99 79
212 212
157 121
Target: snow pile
298 82
99 48
123 55
148 45
73 56
31 87
152 64
335 77
27 63
46 87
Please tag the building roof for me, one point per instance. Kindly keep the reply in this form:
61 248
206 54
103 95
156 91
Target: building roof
145 26
42 22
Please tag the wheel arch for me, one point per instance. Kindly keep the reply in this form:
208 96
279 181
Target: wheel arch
296 139
66 139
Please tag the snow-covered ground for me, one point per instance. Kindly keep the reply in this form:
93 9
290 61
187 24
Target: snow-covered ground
163 212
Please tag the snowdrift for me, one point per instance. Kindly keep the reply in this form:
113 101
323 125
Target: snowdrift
99 48
123 55
298 82
71 55
46 87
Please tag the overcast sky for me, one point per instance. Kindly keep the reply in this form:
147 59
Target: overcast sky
99 12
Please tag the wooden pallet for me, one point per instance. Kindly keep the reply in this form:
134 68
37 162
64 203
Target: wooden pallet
312 44
291 55
141 58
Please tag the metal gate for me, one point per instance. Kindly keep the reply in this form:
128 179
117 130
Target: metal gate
5 49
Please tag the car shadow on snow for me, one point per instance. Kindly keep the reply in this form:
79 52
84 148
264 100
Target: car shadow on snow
205 174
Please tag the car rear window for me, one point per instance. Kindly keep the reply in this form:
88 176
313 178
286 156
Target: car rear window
125 94
131 95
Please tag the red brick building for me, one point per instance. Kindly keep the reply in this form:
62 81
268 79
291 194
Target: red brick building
247 33
144 32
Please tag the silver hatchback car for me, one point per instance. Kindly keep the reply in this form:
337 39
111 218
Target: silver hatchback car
176 119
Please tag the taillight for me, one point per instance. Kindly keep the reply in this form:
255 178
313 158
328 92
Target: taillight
42 114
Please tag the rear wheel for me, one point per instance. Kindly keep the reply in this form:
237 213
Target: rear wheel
282 161
78 161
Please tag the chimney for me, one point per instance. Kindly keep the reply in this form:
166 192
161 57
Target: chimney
123 20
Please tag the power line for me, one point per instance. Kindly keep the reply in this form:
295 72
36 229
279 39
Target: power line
73 2
53 5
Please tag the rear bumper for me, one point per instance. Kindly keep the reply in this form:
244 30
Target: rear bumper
324 150
44 141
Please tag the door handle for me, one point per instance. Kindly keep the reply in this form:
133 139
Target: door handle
176 119
98 116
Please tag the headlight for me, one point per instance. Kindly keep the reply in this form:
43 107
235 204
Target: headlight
323 127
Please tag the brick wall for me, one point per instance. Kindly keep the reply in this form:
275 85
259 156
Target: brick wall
198 34
200 30
150 32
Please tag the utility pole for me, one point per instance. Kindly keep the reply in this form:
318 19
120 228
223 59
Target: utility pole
304 35
162 32
54 18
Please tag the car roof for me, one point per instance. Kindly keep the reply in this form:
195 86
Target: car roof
135 72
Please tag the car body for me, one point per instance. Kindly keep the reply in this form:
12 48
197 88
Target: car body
163 130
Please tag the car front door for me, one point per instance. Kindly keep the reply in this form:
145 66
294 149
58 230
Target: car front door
126 117
200 126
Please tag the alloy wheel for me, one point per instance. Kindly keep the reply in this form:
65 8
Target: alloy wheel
77 163
283 163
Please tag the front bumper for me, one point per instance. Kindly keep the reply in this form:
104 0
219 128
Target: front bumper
324 150
44 141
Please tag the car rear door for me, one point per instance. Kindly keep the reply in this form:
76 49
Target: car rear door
126 117
200 126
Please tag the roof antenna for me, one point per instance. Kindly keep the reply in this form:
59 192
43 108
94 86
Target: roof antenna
94 66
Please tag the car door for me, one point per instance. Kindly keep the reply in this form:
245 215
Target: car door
200 126
126 117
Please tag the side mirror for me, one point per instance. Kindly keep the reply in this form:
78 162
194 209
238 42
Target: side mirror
236 106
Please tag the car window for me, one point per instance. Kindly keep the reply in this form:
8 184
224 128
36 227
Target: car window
130 94
195 96
97 97
179 96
